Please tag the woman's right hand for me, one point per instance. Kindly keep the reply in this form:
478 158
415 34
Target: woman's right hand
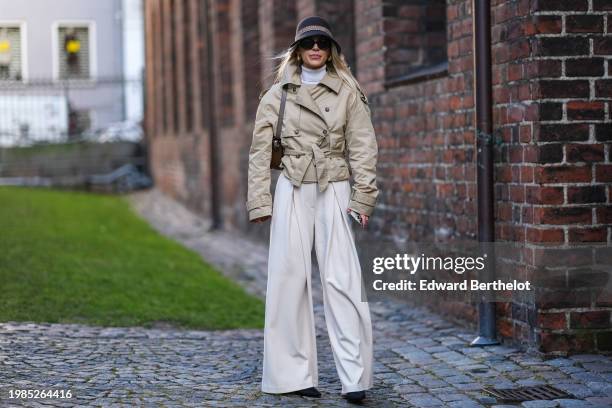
261 219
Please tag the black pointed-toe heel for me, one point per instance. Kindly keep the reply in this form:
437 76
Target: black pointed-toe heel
308 392
354 396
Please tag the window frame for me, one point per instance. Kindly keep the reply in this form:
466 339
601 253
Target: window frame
421 74
23 37
93 49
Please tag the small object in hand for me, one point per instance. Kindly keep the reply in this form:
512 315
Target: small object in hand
356 216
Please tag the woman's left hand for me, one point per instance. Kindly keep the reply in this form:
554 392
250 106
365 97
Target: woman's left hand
364 218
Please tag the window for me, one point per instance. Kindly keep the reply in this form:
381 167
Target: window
74 52
415 40
11 65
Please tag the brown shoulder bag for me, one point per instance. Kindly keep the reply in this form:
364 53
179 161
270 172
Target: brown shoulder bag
277 147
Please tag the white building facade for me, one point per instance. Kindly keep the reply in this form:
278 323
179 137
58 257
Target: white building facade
68 67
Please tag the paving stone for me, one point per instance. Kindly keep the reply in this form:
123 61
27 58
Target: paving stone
560 362
584 358
552 375
600 387
540 404
417 357
433 384
586 376
458 379
408 389
578 390
572 403
474 368
607 377
469 386
435 349
452 396
485 399
424 400
571 369
465 404
599 366
530 382
601 402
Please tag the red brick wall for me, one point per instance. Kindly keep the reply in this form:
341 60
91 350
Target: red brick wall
554 168
176 103
250 52
551 73
425 132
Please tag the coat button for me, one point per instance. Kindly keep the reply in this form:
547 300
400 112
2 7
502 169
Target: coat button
327 109
297 131
324 131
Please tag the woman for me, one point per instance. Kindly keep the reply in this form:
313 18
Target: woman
326 117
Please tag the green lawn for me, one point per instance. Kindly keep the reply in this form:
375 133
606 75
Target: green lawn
76 257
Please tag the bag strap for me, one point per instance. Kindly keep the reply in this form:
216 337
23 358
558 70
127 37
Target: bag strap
281 113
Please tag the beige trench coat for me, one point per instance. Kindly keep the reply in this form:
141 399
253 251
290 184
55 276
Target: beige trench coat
321 129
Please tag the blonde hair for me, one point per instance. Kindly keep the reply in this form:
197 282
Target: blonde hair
337 64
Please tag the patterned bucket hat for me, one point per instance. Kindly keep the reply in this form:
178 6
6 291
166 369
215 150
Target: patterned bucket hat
314 25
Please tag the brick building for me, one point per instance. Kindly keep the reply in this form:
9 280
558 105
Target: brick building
552 91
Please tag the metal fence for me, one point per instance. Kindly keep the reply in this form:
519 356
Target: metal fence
53 111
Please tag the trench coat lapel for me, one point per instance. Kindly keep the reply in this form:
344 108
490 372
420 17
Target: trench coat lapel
304 97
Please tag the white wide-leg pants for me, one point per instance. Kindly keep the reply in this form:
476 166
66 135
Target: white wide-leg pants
300 216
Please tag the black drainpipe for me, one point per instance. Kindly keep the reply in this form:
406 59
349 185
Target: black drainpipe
217 222
484 158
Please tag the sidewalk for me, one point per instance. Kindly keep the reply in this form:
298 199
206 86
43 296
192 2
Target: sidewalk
421 359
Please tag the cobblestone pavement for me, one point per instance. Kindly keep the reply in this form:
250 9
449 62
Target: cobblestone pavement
421 359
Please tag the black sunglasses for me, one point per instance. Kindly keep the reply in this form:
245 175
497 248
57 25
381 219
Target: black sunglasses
307 43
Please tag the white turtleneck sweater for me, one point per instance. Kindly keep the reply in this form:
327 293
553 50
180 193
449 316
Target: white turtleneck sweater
311 76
